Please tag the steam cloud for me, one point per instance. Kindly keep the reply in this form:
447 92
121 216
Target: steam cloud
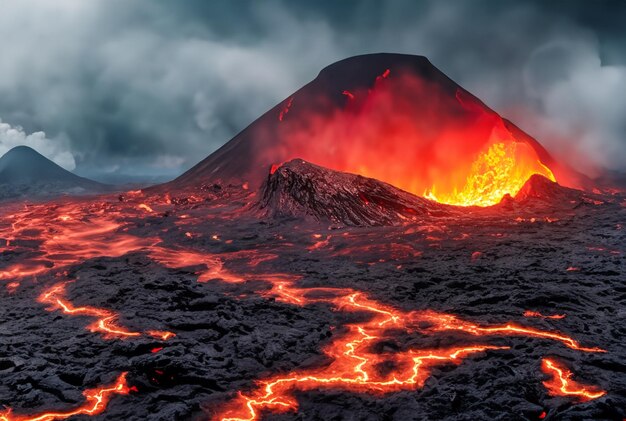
156 85
54 149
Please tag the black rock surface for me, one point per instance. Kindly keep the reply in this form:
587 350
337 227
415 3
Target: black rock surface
488 267
302 190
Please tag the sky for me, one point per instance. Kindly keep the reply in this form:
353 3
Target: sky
123 90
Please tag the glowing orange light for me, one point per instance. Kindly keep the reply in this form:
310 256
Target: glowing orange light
414 135
529 313
561 383
449 322
105 319
354 362
145 207
12 287
501 169
96 400
161 334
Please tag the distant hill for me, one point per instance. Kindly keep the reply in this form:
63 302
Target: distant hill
25 173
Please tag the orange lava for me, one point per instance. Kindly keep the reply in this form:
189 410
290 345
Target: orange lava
561 383
70 233
500 169
106 320
145 207
415 136
530 313
96 400
75 232
448 322
355 364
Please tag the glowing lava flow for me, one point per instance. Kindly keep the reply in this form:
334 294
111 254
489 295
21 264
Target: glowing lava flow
96 401
530 313
69 233
561 383
442 322
105 319
355 364
502 169
415 135
76 232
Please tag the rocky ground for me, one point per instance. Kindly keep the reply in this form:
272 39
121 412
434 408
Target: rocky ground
235 328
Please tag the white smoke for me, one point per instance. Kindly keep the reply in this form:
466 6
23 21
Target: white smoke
53 149
580 102
129 82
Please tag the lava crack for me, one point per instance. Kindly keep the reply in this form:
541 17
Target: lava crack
96 401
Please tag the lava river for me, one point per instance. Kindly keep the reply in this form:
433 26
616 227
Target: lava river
69 233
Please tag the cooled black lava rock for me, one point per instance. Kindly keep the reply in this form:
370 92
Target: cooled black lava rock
302 189
539 188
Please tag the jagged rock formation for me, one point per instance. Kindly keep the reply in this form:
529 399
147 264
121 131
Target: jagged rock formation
540 189
301 189
25 173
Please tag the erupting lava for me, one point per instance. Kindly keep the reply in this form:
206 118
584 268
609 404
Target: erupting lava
502 169
396 119
96 401
451 150
561 383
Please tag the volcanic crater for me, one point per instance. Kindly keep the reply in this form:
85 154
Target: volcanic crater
380 245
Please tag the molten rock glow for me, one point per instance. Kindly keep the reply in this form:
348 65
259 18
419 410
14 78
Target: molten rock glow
561 383
396 119
415 136
502 169
96 400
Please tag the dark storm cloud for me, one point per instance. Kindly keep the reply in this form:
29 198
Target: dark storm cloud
154 86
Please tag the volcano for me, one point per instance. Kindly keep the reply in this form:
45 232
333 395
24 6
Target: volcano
395 118
379 246
26 173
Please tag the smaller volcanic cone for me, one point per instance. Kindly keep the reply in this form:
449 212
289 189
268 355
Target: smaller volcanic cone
301 189
540 189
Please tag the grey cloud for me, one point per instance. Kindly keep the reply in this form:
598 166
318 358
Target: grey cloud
151 86
55 149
